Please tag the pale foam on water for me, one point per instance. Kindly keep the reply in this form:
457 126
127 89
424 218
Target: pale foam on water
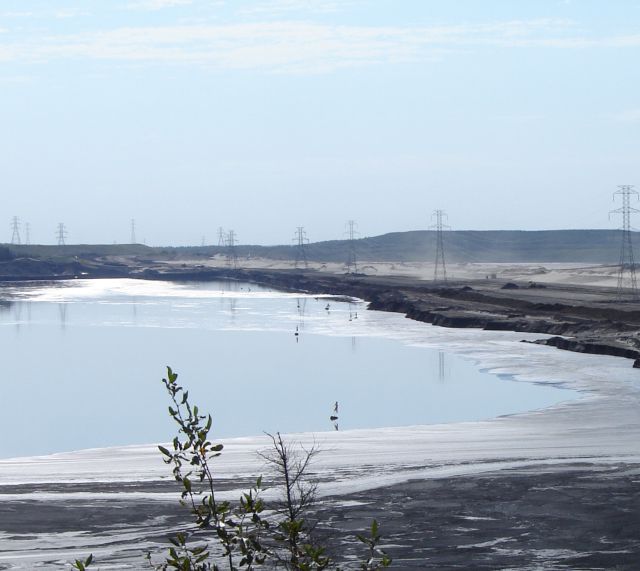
106 290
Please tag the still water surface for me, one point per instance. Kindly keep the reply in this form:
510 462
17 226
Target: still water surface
82 363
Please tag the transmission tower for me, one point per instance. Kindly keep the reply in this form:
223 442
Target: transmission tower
27 231
301 241
440 271
352 233
62 234
627 283
133 231
15 226
232 254
222 238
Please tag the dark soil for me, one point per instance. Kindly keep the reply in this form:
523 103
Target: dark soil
574 517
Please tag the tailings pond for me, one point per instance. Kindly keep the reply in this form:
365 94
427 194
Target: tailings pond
83 360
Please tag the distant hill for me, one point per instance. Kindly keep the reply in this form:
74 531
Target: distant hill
589 246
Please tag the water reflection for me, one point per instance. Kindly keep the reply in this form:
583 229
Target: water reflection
62 313
301 305
17 316
441 366
232 307
99 361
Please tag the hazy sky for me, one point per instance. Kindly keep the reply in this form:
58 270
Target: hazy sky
264 115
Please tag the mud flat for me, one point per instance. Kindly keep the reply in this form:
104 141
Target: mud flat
573 516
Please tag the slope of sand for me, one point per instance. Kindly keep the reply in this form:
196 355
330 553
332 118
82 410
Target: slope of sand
560 273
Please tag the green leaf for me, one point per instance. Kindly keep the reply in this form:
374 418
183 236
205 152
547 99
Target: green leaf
374 528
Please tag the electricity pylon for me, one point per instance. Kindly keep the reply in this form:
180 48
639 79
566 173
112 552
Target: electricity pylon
15 226
232 254
62 234
627 282
351 263
133 231
440 271
301 241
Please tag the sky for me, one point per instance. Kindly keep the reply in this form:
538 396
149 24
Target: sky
264 115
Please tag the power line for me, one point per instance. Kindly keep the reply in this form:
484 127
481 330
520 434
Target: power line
627 282
440 271
301 240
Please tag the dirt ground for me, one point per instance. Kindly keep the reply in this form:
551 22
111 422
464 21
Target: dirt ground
570 517
558 273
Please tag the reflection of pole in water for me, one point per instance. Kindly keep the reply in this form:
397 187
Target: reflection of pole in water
353 313
441 371
354 344
301 306
17 315
62 312
232 307
134 309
